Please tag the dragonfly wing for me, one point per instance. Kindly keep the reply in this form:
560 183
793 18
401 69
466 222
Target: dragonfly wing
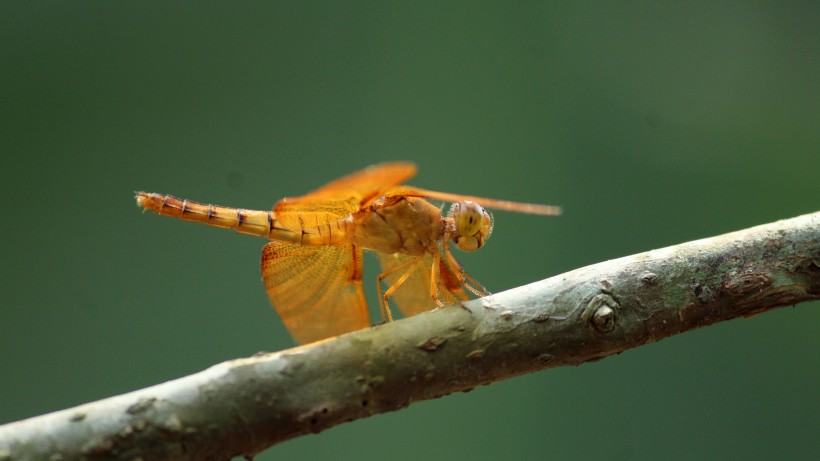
414 295
518 207
341 197
317 290
369 182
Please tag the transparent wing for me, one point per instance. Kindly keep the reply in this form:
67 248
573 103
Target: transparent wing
518 207
341 197
316 290
414 295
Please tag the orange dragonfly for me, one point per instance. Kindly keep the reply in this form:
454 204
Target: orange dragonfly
312 267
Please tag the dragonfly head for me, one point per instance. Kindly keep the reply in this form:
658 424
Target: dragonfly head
473 225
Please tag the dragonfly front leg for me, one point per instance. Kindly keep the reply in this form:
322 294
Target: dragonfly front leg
434 279
463 277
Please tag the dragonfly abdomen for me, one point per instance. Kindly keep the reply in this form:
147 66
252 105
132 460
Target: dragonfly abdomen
251 222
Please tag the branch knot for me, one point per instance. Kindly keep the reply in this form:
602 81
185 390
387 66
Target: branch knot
601 312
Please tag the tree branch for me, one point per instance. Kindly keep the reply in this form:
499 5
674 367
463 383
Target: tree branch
244 406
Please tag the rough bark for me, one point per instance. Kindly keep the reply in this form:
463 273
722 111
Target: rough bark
244 406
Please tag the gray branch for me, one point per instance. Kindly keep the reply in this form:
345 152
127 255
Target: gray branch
244 406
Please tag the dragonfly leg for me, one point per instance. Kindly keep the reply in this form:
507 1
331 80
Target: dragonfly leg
463 277
434 276
408 266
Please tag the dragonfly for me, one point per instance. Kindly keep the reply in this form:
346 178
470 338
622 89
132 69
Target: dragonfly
312 266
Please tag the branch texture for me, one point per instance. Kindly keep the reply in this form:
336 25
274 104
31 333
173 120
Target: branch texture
244 406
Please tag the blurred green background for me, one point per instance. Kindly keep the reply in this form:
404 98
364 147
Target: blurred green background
651 124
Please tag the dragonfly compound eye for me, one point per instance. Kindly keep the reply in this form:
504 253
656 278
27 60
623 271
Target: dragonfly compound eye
473 225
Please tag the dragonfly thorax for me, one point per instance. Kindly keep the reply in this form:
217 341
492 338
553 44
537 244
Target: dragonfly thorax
406 225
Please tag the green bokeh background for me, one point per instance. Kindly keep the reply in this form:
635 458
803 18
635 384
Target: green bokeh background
650 123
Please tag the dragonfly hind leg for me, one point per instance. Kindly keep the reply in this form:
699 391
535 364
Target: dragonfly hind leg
408 266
